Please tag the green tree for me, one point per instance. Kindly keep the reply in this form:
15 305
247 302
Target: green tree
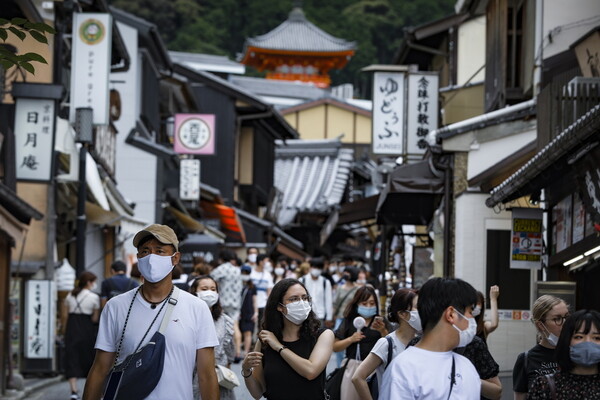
21 28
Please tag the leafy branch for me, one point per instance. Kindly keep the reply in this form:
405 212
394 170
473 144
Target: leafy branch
20 27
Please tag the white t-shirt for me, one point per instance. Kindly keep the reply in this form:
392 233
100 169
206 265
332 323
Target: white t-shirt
88 302
320 291
418 374
381 350
191 327
263 281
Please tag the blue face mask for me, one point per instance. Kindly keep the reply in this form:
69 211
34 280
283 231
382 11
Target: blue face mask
367 312
585 353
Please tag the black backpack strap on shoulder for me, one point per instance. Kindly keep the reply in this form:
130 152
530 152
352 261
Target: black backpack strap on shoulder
390 351
452 377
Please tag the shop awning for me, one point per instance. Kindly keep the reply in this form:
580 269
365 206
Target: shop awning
199 246
191 224
359 210
411 195
532 176
230 223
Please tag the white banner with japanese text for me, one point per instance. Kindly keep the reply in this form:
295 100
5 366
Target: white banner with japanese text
527 241
34 139
388 112
422 115
189 179
90 64
39 319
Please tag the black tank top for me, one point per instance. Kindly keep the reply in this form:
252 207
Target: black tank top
283 383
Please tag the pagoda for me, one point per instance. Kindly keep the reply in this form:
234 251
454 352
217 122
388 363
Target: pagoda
297 50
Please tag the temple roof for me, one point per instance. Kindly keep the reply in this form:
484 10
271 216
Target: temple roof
299 34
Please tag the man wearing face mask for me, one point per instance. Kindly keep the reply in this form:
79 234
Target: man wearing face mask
319 289
263 281
430 370
190 335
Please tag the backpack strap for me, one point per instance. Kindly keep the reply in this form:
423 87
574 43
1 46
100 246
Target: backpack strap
324 297
390 351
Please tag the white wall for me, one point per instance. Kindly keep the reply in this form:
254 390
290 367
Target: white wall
135 169
471 51
567 21
488 154
473 219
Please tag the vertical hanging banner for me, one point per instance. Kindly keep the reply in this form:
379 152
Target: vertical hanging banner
34 139
189 179
39 319
90 64
194 134
527 241
388 113
422 115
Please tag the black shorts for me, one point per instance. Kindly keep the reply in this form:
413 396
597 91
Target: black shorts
246 325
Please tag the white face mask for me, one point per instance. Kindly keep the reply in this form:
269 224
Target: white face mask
333 269
315 272
94 286
468 334
252 258
155 268
476 311
245 278
551 337
298 312
209 296
279 271
415 321
268 266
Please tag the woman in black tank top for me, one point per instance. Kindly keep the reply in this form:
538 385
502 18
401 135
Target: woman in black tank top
289 360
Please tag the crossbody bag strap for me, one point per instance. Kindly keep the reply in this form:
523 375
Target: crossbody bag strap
170 305
337 309
452 377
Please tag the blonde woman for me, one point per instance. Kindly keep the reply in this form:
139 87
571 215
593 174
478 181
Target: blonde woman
548 314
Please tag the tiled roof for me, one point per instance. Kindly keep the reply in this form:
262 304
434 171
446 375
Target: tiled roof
312 176
207 62
273 87
299 34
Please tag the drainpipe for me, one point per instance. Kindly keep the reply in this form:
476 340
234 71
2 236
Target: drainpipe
538 47
448 201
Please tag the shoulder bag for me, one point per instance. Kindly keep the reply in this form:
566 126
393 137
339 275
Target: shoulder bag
333 383
138 374
226 377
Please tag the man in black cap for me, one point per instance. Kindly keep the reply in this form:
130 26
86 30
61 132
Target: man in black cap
118 283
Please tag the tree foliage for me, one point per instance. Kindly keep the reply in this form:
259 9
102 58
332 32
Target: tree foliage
222 26
21 28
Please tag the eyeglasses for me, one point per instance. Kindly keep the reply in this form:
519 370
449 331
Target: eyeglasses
558 321
296 299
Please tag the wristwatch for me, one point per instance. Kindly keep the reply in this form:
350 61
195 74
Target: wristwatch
247 376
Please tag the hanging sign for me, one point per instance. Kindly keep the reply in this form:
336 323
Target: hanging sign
527 242
34 139
194 134
90 64
39 319
189 179
388 113
422 114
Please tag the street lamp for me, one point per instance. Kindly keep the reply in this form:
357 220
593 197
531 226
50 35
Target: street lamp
84 118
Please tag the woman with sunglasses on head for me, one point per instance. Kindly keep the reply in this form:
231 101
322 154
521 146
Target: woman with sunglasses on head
403 311
578 356
206 288
548 315
290 357
358 335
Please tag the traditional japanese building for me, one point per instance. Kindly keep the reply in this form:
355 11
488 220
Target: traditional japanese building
297 50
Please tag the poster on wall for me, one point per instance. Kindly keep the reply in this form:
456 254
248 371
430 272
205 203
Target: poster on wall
388 113
564 223
588 180
527 241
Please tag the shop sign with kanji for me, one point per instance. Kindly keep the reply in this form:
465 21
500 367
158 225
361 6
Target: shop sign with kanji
194 134
34 139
